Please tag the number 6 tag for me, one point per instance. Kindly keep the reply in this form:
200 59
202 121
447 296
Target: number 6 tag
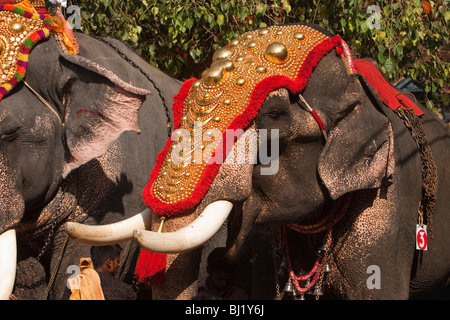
421 237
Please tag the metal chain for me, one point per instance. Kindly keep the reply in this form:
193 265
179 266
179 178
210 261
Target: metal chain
325 259
52 229
66 240
275 266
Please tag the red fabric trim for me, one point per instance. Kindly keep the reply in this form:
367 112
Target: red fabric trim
258 96
391 97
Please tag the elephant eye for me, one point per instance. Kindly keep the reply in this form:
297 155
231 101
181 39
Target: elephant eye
9 135
275 113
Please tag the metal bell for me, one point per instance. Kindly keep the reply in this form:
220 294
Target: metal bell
327 268
289 287
317 291
322 250
300 297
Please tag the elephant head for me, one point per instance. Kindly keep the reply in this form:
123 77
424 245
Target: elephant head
277 131
66 111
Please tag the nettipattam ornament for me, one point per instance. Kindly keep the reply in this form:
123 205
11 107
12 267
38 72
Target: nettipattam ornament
227 97
20 30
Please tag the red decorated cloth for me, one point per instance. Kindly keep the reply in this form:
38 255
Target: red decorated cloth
391 97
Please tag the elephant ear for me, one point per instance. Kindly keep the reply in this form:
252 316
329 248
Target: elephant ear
99 107
359 153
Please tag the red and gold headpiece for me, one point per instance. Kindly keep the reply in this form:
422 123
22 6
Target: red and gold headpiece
21 27
229 96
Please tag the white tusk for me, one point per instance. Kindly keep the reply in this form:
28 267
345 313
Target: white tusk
99 235
189 237
8 262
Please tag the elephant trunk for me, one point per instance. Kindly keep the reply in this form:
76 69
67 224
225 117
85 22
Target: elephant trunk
8 261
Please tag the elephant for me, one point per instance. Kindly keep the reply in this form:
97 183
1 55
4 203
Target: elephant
75 133
343 173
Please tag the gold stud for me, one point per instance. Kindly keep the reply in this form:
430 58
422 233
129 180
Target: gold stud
196 84
299 36
240 81
261 69
234 42
239 58
228 65
263 31
222 54
226 102
251 44
205 72
216 119
214 74
276 52
279 32
17 27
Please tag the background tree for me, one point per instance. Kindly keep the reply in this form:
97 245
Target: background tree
406 37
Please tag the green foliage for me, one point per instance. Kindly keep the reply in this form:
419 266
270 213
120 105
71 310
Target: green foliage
180 36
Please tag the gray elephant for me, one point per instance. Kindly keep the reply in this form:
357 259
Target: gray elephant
342 178
75 135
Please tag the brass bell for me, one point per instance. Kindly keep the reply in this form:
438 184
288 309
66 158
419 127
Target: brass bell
289 287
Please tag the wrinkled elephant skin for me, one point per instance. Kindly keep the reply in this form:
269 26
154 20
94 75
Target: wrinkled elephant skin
370 155
81 169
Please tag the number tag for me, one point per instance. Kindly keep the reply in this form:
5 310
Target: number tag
421 237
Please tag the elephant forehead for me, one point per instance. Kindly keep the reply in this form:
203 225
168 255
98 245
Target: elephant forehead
212 111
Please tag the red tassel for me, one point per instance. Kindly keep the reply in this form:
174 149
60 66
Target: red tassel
151 267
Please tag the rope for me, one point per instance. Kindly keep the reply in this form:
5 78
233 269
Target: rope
63 247
43 101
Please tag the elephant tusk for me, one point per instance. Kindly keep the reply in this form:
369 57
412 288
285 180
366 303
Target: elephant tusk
8 261
111 233
189 237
